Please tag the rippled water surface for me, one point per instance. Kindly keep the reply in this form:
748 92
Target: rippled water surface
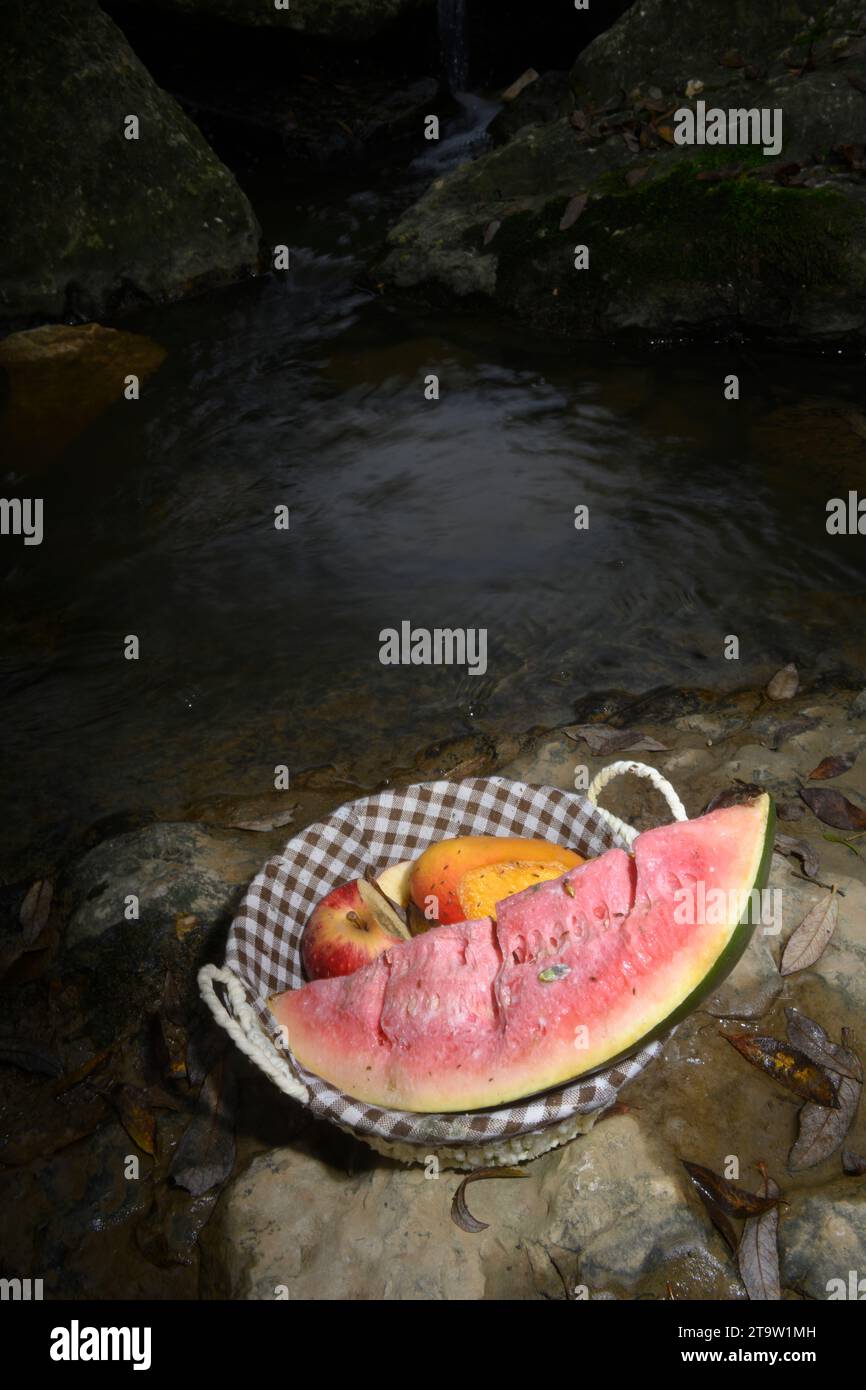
259 646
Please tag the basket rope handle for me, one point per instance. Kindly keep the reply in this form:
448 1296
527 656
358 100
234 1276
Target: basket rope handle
652 774
242 1026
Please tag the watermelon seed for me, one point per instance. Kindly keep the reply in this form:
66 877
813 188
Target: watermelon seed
568 888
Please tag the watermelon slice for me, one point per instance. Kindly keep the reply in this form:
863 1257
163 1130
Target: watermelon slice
574 974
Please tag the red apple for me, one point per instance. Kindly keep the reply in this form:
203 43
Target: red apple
349 928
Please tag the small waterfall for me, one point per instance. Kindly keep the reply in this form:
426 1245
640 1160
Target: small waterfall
453 44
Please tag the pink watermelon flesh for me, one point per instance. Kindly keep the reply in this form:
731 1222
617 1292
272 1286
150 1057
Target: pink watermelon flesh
574 973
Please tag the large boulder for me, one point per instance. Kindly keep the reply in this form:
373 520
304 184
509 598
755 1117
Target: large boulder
95 221
611 1209
350 20
680 238
670 42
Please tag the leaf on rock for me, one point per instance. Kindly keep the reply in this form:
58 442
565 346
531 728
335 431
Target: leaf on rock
207 1043
785 683
823 1131
787 1065
716 1192
758 1255
601 738
35 910
810 1037
833 766
746 1007
490 230
853 1165
810 940
573 211
266 823
833 808
790 729
136 1116
460 1213
802 850
667 134
81 1073
736 795
205 1156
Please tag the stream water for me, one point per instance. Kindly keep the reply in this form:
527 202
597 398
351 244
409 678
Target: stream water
261 646
453 43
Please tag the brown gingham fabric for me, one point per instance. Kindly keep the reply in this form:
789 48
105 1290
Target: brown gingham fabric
264 941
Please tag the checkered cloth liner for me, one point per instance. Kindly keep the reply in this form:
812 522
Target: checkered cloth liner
265 937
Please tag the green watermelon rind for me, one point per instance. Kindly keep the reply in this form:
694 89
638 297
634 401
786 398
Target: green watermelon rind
721 968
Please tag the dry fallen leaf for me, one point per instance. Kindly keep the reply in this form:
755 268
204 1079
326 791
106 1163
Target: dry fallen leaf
490 230
822 1130
832 767
715 1191
523 81
758 1255
184 923
275 822
573 211
736 795
602 739
785 683
136 1116
460 1213
747 1006
787 1065
809 941
205 1156
810 1037
833 808
790 845
790 729
35 909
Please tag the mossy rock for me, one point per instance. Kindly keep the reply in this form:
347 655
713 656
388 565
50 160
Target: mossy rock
95 221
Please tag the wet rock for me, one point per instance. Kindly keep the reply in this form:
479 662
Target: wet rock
173 869
858 706
177 872
621 1200
83 1206
339 19
100 221
668 43
60 378
822 1239
387 1232
545 99
674 247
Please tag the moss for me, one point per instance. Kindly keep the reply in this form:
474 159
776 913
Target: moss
686 227
740 223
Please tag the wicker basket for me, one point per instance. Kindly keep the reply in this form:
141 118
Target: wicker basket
263 955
